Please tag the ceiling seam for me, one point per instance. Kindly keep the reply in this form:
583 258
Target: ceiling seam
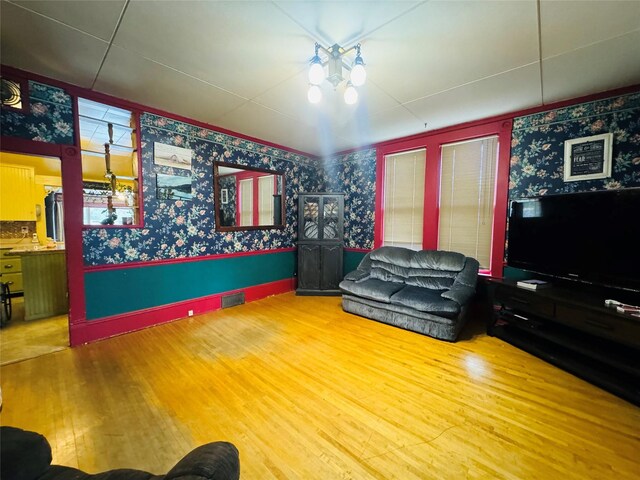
582 47
469 83
56 21
113 36
540 51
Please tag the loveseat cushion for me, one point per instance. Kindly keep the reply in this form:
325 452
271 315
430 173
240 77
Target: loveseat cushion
372 288
425 300
438 260
391 264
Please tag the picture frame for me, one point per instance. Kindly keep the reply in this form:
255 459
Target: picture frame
172 156
224 196
173 187
588 158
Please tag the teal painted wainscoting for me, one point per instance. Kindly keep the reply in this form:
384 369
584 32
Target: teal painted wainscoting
351 260
118 291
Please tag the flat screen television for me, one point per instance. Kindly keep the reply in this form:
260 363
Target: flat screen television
591 237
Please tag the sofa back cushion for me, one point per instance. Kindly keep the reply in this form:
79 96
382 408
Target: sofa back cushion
433 269
391 264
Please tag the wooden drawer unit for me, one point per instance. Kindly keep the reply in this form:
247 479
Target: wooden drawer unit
10 264
621 328
524 301
11 270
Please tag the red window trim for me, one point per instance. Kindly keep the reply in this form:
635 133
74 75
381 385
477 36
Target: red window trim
433 143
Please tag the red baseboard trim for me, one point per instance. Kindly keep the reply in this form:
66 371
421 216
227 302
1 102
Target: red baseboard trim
357 250
94 330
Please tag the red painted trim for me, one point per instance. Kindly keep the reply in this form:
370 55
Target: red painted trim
255 197
378 219
29 147
357 250
501 199
71 168
75 90
431 218
94 330
152 263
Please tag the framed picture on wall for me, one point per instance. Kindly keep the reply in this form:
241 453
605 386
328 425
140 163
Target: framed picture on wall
171 156
588 158
224 196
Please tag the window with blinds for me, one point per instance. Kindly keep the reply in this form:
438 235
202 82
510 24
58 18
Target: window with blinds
246 202
404 182
265 200
467 188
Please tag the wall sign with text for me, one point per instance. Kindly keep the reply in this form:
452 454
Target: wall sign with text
588 158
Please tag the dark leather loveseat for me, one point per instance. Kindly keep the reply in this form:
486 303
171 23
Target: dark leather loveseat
427 291
27 456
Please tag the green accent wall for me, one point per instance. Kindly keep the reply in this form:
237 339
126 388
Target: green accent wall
118 291
351 260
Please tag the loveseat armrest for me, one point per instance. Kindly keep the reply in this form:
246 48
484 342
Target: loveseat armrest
212 461
356 275
464 286
461 294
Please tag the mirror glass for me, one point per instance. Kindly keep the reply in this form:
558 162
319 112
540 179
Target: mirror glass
248 198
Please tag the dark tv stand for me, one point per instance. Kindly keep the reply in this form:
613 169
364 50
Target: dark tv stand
572 329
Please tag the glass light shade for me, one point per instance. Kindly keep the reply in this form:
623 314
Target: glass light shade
314 95
316 71
358 73
350 95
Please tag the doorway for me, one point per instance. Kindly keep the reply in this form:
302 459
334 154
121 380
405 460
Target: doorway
32 257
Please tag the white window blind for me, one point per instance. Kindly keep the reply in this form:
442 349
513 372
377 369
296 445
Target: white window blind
467 188
246 202
265 200
404 199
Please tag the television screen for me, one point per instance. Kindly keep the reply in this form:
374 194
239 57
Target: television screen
592 237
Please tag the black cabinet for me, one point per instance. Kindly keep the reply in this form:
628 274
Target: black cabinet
571 328
320 235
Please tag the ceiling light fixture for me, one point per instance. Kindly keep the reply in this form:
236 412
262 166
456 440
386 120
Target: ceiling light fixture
335 64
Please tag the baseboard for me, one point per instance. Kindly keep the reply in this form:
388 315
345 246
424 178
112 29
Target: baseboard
94 330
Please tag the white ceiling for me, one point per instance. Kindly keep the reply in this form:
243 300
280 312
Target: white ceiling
242 65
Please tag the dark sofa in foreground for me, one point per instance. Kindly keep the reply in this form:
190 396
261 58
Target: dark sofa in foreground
27 456
427 291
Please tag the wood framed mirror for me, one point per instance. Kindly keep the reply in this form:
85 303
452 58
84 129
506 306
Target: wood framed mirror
248 198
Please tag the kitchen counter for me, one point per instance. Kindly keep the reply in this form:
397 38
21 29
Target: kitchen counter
44 278
35 249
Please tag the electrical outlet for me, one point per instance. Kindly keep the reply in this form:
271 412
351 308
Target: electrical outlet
24 230
190 313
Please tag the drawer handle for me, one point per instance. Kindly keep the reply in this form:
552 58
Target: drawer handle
598 324
8 266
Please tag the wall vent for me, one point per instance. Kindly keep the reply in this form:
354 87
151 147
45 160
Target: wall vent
232 300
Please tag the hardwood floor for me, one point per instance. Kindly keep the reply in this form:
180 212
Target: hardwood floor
20 340
307 391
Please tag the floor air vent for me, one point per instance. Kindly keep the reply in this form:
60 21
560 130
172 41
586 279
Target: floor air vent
232 300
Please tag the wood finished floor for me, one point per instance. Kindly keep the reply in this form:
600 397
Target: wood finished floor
20 340
306 391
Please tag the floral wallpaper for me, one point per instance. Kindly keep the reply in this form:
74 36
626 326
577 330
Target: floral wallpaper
178 228
537 146
50 117
355 175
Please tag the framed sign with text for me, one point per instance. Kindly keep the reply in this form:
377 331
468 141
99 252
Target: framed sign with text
588 158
